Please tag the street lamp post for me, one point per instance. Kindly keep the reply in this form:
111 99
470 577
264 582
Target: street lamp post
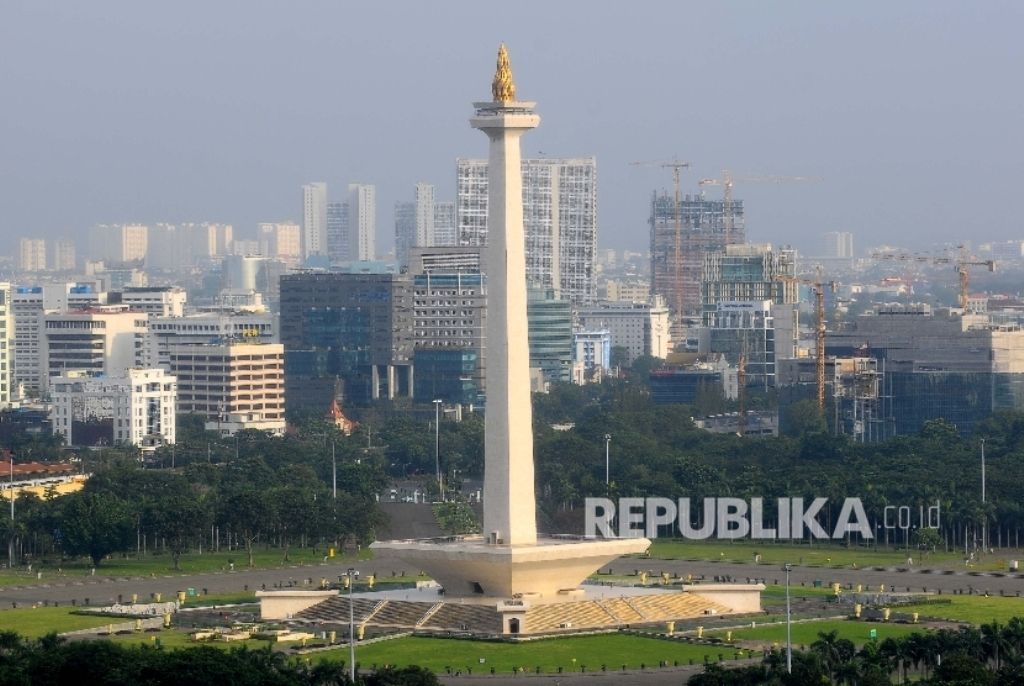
984 523
437 447
789 624
607 461
334 471
10 543
352 576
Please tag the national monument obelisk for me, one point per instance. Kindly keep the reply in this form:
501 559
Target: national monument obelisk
508 559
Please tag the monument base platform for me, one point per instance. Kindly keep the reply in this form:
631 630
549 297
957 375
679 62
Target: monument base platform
593 607
468 567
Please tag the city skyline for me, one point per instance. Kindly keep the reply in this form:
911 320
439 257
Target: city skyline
216 131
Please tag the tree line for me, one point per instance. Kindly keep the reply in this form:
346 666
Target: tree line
52 661
989 655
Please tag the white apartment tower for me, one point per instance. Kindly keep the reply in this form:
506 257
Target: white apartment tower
32 255
314 219
116 243
839 244
445 231
64 256
414 223
560 216
362 220
6 346
282 240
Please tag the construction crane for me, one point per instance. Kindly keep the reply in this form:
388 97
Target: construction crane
818 286
677 272
728 180
961 264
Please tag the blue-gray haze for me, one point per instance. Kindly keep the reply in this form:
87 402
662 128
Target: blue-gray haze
142 111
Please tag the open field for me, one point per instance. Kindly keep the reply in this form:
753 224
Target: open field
161 564
823 555
972 609
612 650
35 622
805 633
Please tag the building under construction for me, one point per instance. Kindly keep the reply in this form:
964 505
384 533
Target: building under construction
681 234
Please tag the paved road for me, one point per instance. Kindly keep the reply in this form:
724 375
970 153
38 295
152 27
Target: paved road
651 677
103 589
916 579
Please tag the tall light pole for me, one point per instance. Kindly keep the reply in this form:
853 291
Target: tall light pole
984 523
437 447
607 461
334 471
789 624
352 576
10 542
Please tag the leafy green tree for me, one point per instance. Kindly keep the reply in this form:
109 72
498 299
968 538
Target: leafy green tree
804 417
94 524
248 513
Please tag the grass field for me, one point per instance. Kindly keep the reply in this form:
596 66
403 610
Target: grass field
972 609
161 564
612 650
822 555
805 633
40 621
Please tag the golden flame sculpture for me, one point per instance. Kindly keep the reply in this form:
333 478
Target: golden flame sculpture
502 88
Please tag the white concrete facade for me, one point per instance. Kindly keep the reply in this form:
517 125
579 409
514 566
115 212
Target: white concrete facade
141 406
102 341
362 220
641 328
314 219
7 386
32 254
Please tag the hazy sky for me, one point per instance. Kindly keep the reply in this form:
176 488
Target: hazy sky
911 112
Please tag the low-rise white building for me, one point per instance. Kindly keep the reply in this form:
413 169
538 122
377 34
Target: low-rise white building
641 328
138 408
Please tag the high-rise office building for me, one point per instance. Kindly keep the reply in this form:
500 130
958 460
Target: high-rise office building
549 325
559 215
640 328
314 219
235 385
105 340
677 257
32 254
345 334
405 231
339 243
362 220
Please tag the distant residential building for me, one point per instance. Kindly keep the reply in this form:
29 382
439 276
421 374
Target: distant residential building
640 328
314 219
283 240
405 231
118 243
627 291
559 219
414 223
210 241
103 341
64 256
138 408
235 385
838 244
32 254
362 220
7 384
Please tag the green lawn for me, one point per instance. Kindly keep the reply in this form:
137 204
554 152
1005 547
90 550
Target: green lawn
613 650
161 564
805 633
40 621
823 555
972 609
